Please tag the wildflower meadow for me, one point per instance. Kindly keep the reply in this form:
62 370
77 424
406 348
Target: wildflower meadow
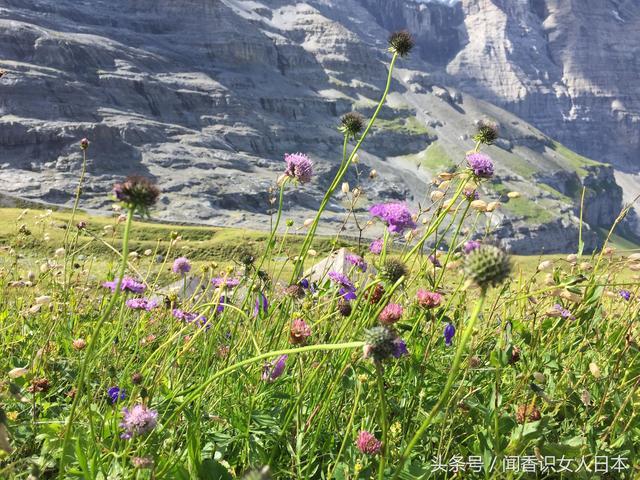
419 350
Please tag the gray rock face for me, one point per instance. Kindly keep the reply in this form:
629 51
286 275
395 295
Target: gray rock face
207 96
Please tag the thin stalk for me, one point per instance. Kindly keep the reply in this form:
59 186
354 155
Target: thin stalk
312 230
455 367
383 420
94 340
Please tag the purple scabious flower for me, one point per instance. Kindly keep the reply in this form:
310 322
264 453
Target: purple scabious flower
141 304
357 261
225 282
138 421
626 294
471 194
116 394
391 314
376 246
188 317
563 312
128 285
299 167
449 332
395 214
400 348
274 369
181 266
470 246
480 164
261 305
347 288
368 444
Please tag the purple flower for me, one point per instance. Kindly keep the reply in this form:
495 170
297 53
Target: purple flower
304 283
400 348
367 443
128 285
181 266
138 421
262 304
470 246
449 332
188 317
481 164
116 394
341 279
626 294
471 194
347 288
395 214
299 167
274 369
141 304
357 261
434 261
562 312
225 282
376 246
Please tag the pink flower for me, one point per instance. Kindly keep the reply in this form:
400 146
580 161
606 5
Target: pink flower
300 331
391 314
428 299
367 443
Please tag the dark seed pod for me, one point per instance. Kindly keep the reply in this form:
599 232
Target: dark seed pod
401 43
487 132
351 124
137 192
344 307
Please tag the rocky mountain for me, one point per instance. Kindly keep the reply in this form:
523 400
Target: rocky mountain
207 96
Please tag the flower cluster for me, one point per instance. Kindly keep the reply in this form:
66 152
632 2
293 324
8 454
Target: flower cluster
347 288
395 214
299 167
141 304
138 421
427 299
128 285
181 266
480 164
368 444
357 261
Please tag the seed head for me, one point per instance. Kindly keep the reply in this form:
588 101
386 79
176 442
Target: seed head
351 124
84 143
394 269
401 42
379 343
488 266
344 307
137 192
487 132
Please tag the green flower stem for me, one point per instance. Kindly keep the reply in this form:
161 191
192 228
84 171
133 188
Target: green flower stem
94 340
383 420
76 201
347 431
453 373
312 230
434 226
193 393
275 226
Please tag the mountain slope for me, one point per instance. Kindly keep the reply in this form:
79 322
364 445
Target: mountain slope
207 95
